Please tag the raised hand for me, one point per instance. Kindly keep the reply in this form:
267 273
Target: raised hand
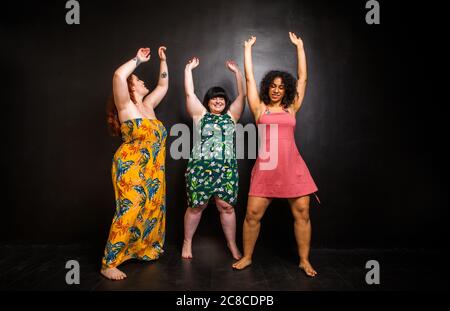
162 53
232 66
192 63
295 40
249 43
143 55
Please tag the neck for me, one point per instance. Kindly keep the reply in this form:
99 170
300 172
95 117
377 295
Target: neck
275 104
138 99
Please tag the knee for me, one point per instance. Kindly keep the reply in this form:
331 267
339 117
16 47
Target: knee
225 208
252 217
196 210
302 214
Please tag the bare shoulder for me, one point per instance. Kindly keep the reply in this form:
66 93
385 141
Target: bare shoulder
235 120
261 110
148 112
292 111
130 111
197 118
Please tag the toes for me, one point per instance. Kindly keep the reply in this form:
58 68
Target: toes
309 271
241 264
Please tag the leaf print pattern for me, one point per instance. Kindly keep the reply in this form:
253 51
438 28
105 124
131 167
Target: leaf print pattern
139 184
212 168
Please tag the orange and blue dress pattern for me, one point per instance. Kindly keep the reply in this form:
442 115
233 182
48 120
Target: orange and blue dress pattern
138 176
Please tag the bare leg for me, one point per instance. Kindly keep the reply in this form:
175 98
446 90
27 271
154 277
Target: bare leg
302 229
256 207
191 220
113 274
228 220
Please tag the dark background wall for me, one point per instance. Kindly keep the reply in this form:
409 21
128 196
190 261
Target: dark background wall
366 127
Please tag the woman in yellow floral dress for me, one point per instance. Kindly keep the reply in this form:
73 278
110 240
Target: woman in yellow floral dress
138 175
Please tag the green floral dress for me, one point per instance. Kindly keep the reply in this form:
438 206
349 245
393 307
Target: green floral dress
212 168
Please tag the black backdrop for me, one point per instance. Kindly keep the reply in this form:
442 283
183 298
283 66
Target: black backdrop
366 127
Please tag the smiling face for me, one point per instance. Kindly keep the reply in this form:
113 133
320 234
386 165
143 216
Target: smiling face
138 86
216 105
276 90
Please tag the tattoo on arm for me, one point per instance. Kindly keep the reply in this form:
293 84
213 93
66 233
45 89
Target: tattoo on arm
164 75
138 62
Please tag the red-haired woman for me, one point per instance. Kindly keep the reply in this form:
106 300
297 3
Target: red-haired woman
138 226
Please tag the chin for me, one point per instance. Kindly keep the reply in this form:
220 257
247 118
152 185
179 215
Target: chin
216 110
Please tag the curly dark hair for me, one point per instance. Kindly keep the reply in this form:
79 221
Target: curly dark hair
216 91
289 82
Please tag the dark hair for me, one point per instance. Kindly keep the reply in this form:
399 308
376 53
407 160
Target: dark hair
217 91
289 82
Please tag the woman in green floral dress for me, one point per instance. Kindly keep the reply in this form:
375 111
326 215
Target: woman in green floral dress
212 169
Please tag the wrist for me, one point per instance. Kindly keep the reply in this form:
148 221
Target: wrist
137 61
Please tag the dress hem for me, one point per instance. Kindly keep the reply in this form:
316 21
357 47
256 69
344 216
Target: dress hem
277 196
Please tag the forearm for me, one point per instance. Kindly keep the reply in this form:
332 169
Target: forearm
248 63
126 69
163 74
240 84
301 63
188 82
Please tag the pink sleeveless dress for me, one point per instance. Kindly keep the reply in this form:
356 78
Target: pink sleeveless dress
290 177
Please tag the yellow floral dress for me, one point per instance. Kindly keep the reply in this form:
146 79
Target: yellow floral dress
138 175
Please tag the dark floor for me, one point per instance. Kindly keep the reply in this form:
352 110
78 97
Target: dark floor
42 267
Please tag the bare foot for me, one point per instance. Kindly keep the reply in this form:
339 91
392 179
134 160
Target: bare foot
234 250
186 253
113 274
307 268
242 264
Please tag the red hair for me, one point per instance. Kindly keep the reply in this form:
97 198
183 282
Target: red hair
112 115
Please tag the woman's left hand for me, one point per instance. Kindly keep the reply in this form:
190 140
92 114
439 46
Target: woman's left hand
232 66
295 40
161 53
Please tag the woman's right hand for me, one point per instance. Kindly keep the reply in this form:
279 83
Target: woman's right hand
192 63
143 55
249 43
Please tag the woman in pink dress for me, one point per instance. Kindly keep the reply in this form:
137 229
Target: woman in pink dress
283 173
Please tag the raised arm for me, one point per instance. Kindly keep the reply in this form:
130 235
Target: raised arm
252 91
193 105
120 85
301 71
237 106
155 97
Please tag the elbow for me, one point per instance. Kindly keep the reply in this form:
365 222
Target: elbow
164 86
118 76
